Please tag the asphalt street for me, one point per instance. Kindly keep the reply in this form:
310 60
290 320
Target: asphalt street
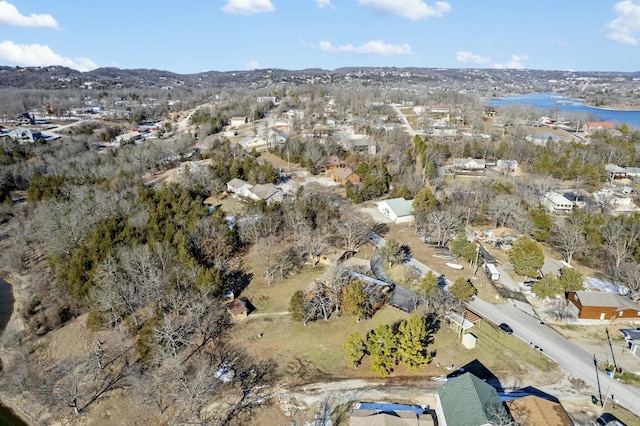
571 358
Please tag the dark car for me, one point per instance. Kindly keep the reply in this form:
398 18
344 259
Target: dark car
506 328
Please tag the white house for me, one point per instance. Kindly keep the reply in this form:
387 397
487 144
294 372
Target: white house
238 121
469 163
239 187
267 192
557 203
398 210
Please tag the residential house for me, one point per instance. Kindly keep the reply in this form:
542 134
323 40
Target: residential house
466 400
617 202
238 121
238 309
330 162
441 111
598 305
541 139
556 202
592 127
344 175
388 414
615 172
23 134
398 210
282 124
267 192
532 410
632 339
419 108
239 187
276 136
359 144
469 164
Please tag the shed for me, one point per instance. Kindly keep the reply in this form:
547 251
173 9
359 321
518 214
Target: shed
238 309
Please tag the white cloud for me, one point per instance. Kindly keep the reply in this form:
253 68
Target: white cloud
375 47
410 9
10 15
252 65
514 63
248 7
625 29
324 3
471 58
40 55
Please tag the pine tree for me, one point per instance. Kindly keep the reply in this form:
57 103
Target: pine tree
526 256
354 300
462 289
298 306
355 348
412 338
381 345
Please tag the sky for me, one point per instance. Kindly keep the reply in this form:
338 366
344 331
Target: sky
193 36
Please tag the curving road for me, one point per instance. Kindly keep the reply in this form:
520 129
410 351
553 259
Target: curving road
571 358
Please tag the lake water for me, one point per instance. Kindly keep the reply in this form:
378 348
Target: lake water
549 101
7 417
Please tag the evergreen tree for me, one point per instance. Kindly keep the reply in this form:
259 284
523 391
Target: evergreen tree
355 348
392 252
462 289
381 345
463 248
571 279
298 306
526 256
412 338
428 285
548 286
354 300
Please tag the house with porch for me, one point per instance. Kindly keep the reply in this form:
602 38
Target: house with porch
556 202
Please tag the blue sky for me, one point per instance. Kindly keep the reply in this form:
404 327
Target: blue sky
228 35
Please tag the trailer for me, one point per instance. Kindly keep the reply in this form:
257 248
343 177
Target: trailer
492 271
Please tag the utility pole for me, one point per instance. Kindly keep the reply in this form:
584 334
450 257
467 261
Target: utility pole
475 267
613 357
595 363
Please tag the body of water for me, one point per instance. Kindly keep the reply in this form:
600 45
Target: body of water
549 101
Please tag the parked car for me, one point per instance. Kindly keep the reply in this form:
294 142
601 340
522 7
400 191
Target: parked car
506 328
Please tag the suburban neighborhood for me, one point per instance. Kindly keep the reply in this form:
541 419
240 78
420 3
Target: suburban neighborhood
320 253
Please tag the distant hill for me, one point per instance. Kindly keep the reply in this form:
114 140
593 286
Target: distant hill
57 77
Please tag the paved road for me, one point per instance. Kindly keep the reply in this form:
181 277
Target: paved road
571 358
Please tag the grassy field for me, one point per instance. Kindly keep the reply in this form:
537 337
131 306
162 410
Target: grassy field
314 352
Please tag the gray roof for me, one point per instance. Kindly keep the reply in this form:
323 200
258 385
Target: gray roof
468 401
604 299
400 206
236 183
264 191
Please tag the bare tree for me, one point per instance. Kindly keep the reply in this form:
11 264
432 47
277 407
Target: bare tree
441 226
619 235
568 238
351 231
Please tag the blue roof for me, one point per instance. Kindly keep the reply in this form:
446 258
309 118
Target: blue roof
390 407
